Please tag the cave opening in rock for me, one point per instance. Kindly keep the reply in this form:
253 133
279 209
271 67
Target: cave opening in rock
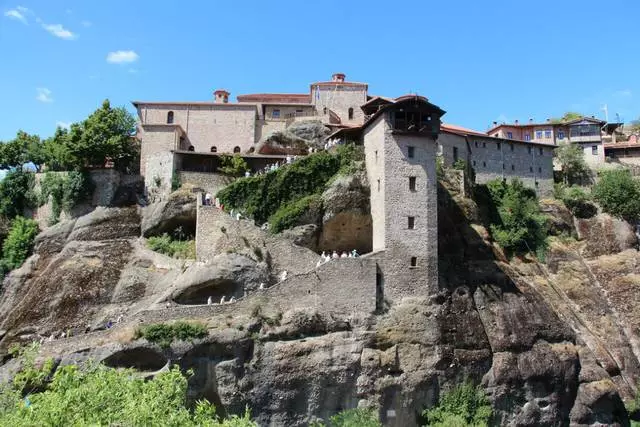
199 294
140 358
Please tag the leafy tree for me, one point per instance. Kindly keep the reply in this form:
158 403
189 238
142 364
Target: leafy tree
576 200
105 135
519 227
65 190
573 167
19 242
567 117
357 417
465 405
101 396
618 193
634 125
233 165
16 193
288 215
57 153
22 149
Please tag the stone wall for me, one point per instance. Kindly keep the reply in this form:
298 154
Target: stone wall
374 159
339 98
159 169
208 182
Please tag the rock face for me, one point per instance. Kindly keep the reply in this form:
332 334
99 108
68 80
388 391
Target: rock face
296 139
552 344
179 210
605 234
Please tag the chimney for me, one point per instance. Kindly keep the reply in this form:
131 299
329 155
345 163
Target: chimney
530 119
516 122
548 120
495 123
221 96
338 77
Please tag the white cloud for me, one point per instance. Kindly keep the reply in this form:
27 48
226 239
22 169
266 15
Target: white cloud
22 9
624 93
59 31
122 57
44 95
86 24
64 125
16 14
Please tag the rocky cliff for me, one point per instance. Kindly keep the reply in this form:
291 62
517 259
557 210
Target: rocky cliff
552 344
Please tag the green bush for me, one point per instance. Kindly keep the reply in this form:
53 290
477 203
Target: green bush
101 396
465 405
16 193
233 165
517 224
618 193
65 190
174 248
353 418
164 334
460 165
578 202
19 242
288 215
261 196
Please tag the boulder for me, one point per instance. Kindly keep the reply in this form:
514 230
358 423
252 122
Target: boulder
604 235
296 139
178 210
303 235
560 218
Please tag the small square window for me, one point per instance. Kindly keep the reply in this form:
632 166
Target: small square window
411 152
538 134
484 164
547 134
594 150
378 184
529 150
411 223
560 135
527 137
474 163
476 144
275 114
498 146
510 135
540 151
536 184
531 169
414 261
484 145
412 183
539 170
513 167
511 145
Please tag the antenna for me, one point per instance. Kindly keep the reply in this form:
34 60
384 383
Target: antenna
606 112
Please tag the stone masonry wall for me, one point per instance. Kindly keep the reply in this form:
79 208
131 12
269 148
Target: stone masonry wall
339 99
374 158
159 172
209 182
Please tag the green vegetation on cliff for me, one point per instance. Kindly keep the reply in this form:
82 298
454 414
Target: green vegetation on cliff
166 245
618 193
465 405
164 334
352 418
65 190
283 195
18 244
16 193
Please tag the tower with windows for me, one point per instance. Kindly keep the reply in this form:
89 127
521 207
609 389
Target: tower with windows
400 153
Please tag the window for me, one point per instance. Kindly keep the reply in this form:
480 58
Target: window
474 163
412 183
560 134
536 184
527 137
510 135
414 261
531 169
170 117
411 152
214 149
547 134
275 114
511 146
594 150
498 146
484 164
513 167
350 113
455 154
236 149
529 150
324 110
376 156
539 170
484 145
411 222
192 148
538 134
503 167
378 184
476 144
540 151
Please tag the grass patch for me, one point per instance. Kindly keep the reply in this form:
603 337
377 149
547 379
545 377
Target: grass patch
164 334
174 248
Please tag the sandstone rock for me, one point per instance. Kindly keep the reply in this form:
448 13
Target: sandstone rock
604 234
178 210
560 218
106 223
303 235
296 139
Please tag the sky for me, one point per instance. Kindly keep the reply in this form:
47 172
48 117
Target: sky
481 61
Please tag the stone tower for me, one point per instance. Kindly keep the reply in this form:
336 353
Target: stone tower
400 151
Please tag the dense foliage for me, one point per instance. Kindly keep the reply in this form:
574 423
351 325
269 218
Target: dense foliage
164 334
567 117
352 418
261 196
465 405
573 168
101 396
166 245
65 190
19 243
516 221
576 199
618 193
16 193
22 149
233 165
289 214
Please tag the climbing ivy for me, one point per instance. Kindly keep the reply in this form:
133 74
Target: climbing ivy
65 190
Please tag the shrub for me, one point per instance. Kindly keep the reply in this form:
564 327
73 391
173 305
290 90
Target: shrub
618 193
517 225
573 168
578 202
353 418
174 248
175 182
460 165
19 242
465 405
65 190
233 165
16 193
164 334
288 215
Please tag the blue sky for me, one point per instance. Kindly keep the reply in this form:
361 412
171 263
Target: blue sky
478 60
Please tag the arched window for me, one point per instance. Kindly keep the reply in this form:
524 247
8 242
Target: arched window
350 113
192 148
170 117
214 149
324 110
236 149
251 150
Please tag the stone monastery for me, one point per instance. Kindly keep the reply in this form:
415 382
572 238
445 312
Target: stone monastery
402 137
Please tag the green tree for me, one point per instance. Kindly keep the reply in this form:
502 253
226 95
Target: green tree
16 193
105 135
57 154
567 117
465 405
573 167
22 149
233 165
618 193
19 242
358 417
